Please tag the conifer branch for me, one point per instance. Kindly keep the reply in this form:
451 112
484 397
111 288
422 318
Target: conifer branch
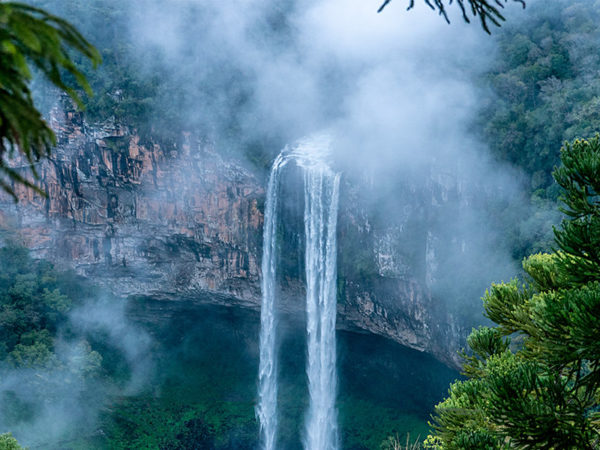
486 10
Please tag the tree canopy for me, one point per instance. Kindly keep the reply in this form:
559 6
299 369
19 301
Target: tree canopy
533 381
35 301
8 442
487 11
33 41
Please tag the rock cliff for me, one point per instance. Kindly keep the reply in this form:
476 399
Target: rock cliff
175 220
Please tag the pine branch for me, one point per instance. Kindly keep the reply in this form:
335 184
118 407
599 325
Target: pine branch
486 10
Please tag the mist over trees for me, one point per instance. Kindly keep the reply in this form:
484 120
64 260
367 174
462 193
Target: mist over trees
544 87
534 379
63 349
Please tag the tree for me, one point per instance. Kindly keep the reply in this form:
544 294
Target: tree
533 381
8 442
195 433
31 36
486 10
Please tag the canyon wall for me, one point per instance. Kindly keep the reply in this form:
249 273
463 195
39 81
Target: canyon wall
178 220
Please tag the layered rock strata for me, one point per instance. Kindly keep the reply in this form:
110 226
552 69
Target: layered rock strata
178 220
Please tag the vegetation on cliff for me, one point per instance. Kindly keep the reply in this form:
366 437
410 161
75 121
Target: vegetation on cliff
543 87
534 379
35 300
540 90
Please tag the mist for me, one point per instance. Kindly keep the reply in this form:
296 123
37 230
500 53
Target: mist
287 69
59 403
398 91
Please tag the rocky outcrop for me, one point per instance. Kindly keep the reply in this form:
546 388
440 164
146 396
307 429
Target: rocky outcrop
142 216
178 220
389 266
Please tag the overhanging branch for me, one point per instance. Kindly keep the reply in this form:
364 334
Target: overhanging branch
487 10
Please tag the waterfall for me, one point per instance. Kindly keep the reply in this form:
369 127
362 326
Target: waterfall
321 189
266 409
321 192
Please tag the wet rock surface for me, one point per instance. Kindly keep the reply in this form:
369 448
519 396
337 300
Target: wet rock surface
179 221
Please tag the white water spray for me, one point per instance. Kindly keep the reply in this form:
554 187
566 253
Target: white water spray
321 188
266 409
321 191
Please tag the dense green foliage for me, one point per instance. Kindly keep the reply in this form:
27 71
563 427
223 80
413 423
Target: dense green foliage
31 36
541 90
544 86
534 379
8 442
35 300
49 365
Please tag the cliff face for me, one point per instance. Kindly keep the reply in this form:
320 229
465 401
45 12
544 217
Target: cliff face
142 217
390 259
176 220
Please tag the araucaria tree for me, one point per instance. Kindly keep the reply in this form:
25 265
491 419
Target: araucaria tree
533 381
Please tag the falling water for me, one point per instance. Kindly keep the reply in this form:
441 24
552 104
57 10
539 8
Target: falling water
321 188
321 191
267 374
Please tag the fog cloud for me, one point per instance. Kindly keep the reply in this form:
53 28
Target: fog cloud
399 91
62 401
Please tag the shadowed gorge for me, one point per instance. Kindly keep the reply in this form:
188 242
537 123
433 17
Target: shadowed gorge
207 365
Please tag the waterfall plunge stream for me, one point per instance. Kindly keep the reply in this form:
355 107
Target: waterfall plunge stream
321 192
